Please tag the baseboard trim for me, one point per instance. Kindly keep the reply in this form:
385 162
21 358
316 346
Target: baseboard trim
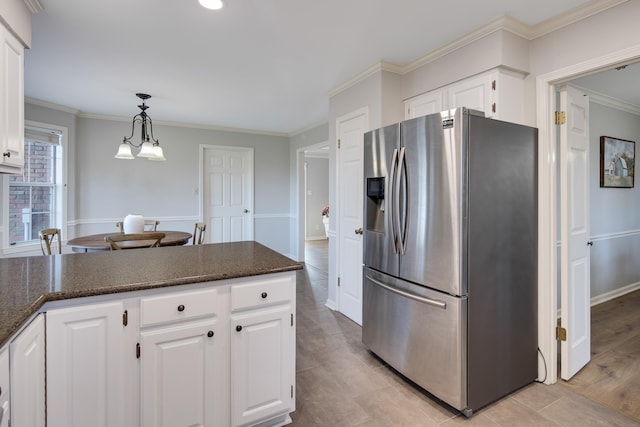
615 293
331 304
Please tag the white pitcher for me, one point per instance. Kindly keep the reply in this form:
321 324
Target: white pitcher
133 223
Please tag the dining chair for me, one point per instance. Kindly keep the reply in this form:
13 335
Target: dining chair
47 237
115 240
149 225
198 233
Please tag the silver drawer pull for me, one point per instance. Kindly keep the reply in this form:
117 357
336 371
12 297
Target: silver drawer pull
433 302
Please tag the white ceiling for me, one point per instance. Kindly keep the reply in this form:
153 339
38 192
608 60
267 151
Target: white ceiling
263 65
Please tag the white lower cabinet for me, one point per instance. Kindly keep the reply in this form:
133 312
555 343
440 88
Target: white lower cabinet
26 361
4 388
178 370
211 356
262 352
85 366
183 375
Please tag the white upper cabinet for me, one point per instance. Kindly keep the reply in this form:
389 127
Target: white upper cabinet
498 93
422 105
11 103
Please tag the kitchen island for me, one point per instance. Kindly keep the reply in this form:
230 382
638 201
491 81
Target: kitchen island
137 324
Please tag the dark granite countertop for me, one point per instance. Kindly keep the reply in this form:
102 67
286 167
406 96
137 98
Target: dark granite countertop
27 283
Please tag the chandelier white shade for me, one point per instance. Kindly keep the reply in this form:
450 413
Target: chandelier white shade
149 146
212 4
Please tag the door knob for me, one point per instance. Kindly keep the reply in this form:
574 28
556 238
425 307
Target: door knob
246 211
359 231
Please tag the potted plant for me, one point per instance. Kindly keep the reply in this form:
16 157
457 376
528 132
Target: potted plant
325 220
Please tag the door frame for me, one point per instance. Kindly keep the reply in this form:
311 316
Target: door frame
199 191
547 196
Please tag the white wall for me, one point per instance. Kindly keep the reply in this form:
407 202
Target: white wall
614 212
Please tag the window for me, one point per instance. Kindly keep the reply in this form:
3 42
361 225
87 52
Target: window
35 198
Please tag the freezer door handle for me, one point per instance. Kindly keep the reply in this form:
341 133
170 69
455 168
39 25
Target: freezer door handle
402 179
394 203
433 302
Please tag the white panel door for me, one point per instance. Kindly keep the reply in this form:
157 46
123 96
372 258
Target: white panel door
228 194
350 131
574 241
178 381
85 366
26 358
262 366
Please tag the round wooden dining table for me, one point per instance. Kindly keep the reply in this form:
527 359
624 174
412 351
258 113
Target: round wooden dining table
96 242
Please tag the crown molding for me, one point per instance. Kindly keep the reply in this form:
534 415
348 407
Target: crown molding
307 128
504 22
572 16
183 125
84 115
51 105
34 6
607 101
375 68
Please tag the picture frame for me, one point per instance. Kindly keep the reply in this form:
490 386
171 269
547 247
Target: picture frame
617 162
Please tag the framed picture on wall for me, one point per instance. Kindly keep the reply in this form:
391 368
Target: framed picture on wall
617 162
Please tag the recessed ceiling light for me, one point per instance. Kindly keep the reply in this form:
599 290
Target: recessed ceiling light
212 4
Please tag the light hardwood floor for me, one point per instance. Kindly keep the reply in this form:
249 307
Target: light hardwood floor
340 383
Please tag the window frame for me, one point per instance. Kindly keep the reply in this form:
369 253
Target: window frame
60 203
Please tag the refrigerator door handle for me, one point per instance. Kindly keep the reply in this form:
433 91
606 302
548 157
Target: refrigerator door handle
394 219
401 226
433 302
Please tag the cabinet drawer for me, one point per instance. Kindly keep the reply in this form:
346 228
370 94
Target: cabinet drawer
177 306
263 292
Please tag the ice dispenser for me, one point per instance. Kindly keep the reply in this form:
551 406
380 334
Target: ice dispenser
375 208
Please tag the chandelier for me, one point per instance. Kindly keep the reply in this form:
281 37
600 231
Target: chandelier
148 147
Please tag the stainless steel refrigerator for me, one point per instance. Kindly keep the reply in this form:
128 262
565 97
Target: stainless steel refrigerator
450 254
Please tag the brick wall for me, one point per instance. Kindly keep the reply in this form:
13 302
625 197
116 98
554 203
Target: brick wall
40 169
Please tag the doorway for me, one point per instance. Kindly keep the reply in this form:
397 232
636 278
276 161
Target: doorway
316 205
548 179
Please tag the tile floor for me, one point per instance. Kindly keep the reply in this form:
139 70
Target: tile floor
340 383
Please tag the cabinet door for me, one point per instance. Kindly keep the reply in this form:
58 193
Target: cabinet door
4 388
421 105
12 102
475 93
262 365
178 378
27 376
85 366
